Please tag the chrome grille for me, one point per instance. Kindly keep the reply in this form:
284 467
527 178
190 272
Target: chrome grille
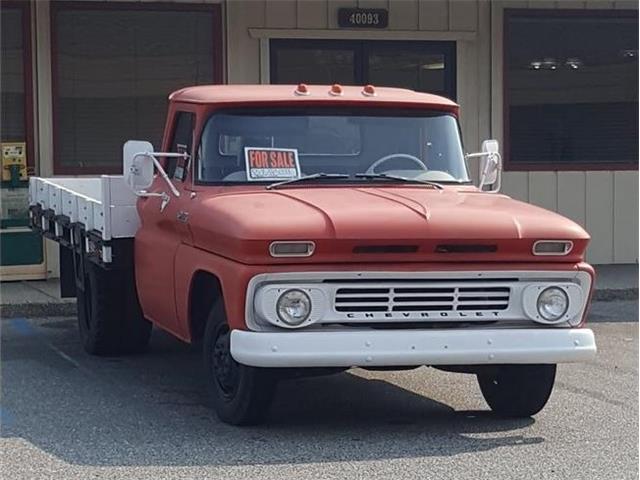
417 298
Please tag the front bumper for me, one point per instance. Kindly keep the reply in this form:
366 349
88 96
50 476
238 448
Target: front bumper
412 347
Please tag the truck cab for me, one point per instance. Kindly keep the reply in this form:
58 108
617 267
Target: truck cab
311 229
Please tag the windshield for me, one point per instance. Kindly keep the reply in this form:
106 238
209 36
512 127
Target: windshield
268 145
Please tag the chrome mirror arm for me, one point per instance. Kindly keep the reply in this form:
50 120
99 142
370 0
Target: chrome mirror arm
161 170
495 158
163 195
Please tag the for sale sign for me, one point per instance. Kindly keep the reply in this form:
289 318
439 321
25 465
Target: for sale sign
271 164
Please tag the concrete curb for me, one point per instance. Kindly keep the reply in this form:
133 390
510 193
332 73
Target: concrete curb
53 309
68 309
614 294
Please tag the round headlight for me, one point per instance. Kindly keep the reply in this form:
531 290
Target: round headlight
294 307
553 303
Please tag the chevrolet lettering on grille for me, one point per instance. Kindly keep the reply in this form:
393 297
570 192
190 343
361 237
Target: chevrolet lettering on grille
424 315
422 301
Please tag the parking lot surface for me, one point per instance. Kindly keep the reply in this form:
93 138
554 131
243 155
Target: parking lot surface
67 415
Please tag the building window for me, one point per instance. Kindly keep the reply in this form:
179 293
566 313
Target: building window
20 248
571 90
15 71
421 66
114 66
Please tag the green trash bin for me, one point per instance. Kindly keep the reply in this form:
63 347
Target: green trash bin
18 244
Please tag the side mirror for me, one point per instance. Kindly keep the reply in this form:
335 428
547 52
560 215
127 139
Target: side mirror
490 165
138 160
137 164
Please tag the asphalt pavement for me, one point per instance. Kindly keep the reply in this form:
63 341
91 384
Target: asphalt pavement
66 415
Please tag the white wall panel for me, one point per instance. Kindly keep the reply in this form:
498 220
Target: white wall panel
626 5
403 15
463 15
516 185
543 189
243 52
375 4
572 196
541 4
599 211
570 4
467 94
433 14
281 14
483 72
512 4
594 4
312 14
625 215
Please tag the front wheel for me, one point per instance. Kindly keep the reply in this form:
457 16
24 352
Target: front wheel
241 395
518 390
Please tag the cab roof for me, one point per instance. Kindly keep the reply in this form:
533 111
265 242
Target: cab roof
251 94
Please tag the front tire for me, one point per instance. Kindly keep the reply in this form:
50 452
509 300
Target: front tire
518 390
110 319
241 395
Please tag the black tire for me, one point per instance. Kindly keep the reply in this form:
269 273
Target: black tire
518 390
110 319
241 395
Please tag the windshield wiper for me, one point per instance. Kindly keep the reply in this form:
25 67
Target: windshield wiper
398 178
315 176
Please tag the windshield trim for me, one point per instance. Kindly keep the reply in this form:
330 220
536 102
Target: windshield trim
355 110
335 182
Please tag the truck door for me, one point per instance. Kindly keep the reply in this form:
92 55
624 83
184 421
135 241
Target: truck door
162 231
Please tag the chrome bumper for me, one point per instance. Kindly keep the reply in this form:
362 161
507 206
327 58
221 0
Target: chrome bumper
412 347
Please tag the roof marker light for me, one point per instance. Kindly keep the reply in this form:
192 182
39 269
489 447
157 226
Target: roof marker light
336 90
302 89
369 91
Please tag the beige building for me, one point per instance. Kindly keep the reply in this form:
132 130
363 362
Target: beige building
555 81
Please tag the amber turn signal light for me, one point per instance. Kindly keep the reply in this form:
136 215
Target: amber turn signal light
302 89
336 90
369 91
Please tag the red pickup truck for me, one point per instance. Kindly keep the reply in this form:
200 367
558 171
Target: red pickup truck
318 228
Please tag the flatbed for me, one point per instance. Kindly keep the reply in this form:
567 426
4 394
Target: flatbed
100 208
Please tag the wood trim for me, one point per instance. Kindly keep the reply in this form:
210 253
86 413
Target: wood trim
265 61
308 34
569 167
509 166
58 6
218 42
27 65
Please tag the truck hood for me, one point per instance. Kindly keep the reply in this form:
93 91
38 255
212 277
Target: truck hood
378 224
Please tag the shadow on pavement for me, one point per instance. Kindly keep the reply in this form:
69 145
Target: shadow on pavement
150 410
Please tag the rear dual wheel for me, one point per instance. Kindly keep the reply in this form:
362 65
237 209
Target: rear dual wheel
110 319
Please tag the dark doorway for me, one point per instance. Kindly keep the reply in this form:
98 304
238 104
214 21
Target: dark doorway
421 66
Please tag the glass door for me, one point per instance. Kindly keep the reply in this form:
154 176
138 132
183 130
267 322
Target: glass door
21 253
421 66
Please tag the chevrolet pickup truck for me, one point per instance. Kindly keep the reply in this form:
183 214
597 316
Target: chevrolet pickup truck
310 229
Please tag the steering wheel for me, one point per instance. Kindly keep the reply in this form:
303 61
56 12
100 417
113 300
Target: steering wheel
386 158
